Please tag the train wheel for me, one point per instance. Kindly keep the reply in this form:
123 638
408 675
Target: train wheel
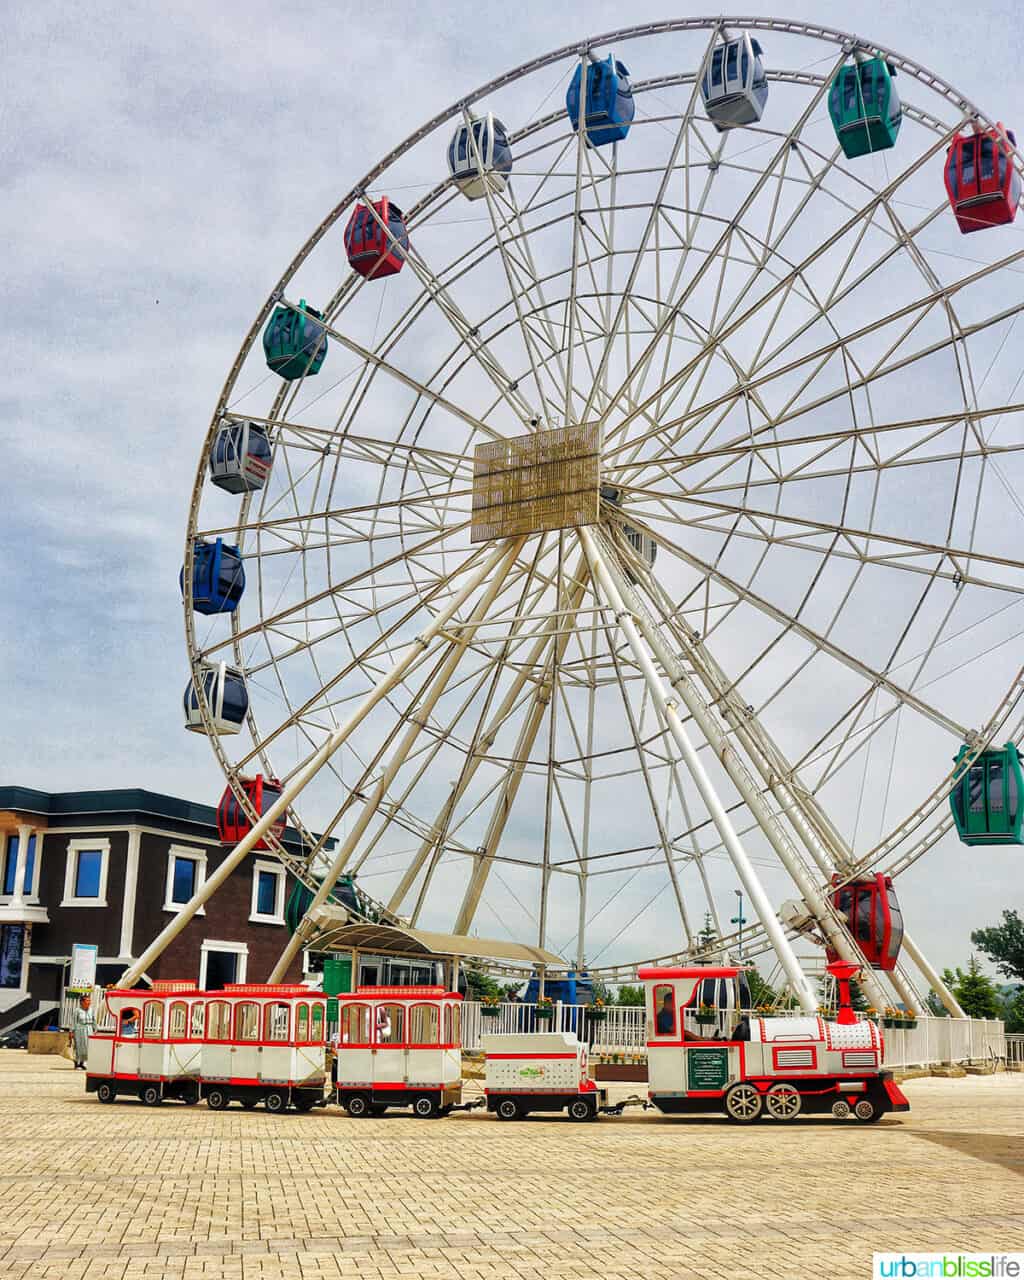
783 1102
742 1103
425 1106
866 1111
358 1106
217 1099
276 1102
106 1092
841 1110
151 1095
509 1109
580 1109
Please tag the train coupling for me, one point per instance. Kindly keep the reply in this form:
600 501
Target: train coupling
617 1108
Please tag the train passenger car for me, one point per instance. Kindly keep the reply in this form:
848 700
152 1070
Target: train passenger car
540 1071
772 1067
399 1047
153 1050
249 1043
264 1042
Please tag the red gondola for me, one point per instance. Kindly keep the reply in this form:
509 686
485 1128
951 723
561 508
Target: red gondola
873 916
982 184
372 250
233 822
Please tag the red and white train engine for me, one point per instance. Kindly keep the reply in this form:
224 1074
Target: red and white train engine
778 1067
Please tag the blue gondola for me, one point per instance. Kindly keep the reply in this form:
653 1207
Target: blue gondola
479 157
240 457
218 577
226 695
294 344
735 87
609 106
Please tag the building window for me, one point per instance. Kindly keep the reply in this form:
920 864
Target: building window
221 963
268 879
11 867
186 874
85 878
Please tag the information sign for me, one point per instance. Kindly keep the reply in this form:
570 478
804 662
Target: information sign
706 1068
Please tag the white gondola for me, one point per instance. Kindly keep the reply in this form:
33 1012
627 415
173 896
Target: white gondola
240 457
735 87
479 157
227 696
644 546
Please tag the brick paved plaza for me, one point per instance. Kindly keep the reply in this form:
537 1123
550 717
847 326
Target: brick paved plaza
123 1191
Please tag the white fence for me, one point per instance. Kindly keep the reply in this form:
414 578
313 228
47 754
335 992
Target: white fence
932 1042
622 1030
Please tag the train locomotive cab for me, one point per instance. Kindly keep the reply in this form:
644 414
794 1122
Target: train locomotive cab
777 1068
873 916
399 1047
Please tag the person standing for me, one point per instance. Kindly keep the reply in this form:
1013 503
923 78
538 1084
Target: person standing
84 1026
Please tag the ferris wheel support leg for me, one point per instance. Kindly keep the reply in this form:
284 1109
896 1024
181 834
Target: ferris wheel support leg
572 602
611 583
933 978
418 718
313 766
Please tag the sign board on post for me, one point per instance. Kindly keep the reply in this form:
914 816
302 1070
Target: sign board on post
83 967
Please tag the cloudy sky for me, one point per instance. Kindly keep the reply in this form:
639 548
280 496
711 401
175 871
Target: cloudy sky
160 165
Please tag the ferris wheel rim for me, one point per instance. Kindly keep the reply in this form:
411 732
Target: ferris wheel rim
639 32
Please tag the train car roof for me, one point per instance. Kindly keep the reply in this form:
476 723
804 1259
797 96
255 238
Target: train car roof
653 973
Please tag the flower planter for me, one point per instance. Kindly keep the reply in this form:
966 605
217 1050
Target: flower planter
545 1014
597 1015
706 1019
489 1012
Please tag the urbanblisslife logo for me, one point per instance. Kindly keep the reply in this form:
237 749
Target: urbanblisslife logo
950 1266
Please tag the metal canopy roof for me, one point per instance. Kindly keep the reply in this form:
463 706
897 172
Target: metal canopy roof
402 940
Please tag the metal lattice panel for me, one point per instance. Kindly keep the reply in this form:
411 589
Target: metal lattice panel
544 480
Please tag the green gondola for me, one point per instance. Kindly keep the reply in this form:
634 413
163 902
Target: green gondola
865 107
986 802
294 344
346 893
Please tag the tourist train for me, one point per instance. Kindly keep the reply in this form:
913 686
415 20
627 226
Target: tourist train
401 1046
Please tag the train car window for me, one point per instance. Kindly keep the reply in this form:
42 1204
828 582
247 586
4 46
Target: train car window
746 1000
706 994
130 1023
198 1018
355 1024
316 1024
424 1024
301 1023
664 1011
456 1035
218 1020
247 1020
390 1024
177 1020
276 1022
863 915
153 1020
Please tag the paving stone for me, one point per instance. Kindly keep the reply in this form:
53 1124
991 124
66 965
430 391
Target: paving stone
127 1192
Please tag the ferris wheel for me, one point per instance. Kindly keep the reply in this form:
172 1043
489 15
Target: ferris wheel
616 501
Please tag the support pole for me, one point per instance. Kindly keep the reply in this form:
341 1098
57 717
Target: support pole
605 576
418 718
933 978
572 603
309 771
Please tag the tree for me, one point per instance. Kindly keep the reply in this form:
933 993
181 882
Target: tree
975 993
1012 1011
631 995
1003 944
707 936
603 992
480 985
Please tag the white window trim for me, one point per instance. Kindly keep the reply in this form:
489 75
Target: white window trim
198 856
30 899
240 949
275 868
71 866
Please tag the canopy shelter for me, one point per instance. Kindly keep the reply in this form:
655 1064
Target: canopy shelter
334 930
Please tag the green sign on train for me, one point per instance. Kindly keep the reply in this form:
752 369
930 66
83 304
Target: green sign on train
706 1068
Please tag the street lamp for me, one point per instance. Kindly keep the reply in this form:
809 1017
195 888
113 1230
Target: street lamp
739 919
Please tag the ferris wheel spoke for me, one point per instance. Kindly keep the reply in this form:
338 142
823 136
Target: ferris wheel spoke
875 678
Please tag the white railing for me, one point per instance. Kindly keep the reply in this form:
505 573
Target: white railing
931 1042
1015 1051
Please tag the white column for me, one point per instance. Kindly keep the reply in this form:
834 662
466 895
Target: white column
24 835
612 589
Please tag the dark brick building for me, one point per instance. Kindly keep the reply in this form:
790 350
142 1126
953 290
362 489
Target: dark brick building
110 868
